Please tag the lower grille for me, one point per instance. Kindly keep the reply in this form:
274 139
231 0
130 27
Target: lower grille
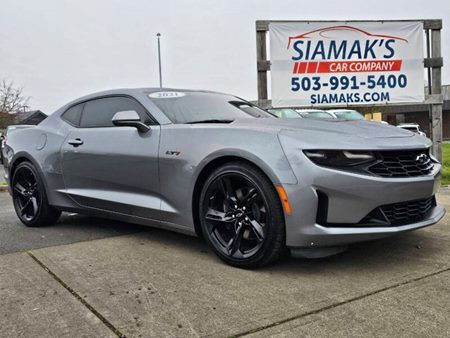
396 214
408 212
400 213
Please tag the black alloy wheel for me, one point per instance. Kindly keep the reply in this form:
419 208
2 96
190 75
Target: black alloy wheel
29 198
241 216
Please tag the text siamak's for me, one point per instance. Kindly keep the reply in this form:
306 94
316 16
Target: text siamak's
344 50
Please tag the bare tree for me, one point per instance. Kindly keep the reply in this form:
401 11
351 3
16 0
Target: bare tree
12 101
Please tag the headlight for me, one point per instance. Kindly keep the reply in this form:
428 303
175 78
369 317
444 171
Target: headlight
339 158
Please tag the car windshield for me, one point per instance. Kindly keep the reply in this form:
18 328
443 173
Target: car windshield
316 115
198 107
348 115
285 113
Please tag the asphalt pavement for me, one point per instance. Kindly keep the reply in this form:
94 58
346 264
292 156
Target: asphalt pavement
96 278
71 228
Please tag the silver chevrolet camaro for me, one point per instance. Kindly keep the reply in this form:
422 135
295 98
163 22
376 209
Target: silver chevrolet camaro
216 166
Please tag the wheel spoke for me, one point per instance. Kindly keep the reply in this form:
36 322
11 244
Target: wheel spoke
20 189
220 216
258 230
33 187
24 208
227 189
235 243
35 205
249 197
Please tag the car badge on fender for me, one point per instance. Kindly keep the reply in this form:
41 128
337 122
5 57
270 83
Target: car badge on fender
173 152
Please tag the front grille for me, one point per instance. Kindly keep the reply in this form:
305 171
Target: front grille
399 213
406 163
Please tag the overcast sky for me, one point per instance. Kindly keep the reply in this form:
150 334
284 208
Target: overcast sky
59 50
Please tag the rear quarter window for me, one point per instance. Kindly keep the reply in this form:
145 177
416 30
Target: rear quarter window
73 115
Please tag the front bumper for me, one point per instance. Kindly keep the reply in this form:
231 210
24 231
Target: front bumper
351 197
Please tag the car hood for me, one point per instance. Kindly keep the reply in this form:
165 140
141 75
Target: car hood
338 134
354 128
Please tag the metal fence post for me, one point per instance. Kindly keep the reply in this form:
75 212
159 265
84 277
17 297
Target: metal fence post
436 89
261 58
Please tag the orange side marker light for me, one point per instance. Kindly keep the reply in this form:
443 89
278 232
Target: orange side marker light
284 199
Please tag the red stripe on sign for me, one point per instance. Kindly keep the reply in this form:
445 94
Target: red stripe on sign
312 67
295 68
302 68
317 66
359 66
324 67
307 66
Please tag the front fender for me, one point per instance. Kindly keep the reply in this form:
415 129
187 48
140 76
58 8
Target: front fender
282 174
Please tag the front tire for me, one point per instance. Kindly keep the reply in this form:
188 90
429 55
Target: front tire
29 197
241 216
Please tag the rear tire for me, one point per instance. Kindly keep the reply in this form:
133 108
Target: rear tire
241 216
30 199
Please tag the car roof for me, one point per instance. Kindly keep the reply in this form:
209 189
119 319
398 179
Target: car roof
134 91
139 94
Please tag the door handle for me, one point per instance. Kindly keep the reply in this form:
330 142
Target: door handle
76 142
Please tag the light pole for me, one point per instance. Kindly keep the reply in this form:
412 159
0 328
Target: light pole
159 60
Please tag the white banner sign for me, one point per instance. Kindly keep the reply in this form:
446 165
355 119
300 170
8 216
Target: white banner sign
351 63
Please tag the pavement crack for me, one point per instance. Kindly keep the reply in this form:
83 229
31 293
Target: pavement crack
334 305
115 330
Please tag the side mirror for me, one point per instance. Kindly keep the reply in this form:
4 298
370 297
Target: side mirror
129 118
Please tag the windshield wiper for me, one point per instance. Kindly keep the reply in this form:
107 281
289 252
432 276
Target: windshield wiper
211 121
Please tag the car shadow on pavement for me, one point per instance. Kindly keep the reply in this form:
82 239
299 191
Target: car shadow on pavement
411 248
395 253
90 223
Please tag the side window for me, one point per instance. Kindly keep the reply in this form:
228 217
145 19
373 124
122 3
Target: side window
73 115
99 113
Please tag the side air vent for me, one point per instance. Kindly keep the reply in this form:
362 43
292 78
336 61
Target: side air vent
322 208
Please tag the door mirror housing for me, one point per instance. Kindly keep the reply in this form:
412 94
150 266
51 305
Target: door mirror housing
129 118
